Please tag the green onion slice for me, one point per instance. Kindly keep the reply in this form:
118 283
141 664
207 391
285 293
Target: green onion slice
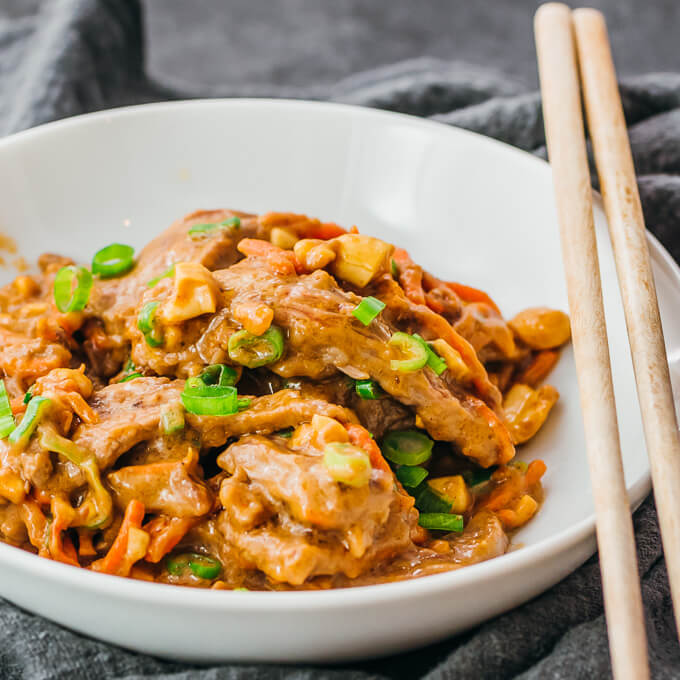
146 322
368 309
98 502
114 260
35 411
130 376
347 463
428 500
72 286
253 351
202 566
201 229
219 375
439 521
478 476
27 397
434 361
172 418
394 268
7 423
413 348
168 273
286 434
368 389
407 447
411 477
223 404
212 393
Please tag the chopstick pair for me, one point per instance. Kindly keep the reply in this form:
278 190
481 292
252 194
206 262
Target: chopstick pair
573 54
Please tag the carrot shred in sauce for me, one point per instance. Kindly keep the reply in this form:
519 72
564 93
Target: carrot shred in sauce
281 261
165 533
113 562
360 436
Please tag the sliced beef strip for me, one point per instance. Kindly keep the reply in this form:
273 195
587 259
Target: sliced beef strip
288 518
323 337
129 413
378 416
483 539
168 488
113 302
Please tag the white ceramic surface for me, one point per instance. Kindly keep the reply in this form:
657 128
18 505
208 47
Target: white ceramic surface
466 207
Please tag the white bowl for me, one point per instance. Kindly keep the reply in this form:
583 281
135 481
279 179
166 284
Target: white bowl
468 208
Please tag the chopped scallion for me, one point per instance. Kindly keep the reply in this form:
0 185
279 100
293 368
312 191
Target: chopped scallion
202 229
172 418
428 500
212 393
253 351
407 447
439 521
169 272
202 566
414 349
434 361
394 268
34 413
146 322
368 389
72 286
411 477
368 309
347 463
7 423
114 260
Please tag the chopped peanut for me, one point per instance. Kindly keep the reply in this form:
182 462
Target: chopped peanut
255 317
360 259
541 328
314 253
526 409
195 293
283 238
321 431
453 359
12 487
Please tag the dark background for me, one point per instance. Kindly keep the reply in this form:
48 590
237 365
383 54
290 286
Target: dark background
231 42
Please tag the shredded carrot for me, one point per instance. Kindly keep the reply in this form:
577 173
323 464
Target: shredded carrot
85 547
165 533
539 368
60 545
410 276
535 471
512 488
325 231
433 303
303 226
35 521
469 294
113 561
359 436
281 261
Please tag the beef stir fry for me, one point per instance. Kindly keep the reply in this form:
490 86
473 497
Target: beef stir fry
266 402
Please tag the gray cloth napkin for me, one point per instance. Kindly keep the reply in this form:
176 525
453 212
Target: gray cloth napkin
75 56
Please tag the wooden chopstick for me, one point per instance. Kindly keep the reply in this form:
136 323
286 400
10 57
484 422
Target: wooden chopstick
627 232
573 194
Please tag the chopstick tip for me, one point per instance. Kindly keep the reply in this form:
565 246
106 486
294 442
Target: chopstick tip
551 11
588 14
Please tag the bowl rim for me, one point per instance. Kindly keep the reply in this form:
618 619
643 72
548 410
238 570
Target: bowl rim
340 598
